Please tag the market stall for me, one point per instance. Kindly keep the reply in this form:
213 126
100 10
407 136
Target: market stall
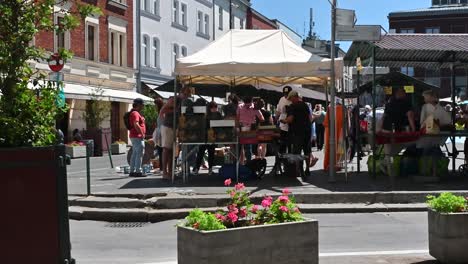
253 57
436 51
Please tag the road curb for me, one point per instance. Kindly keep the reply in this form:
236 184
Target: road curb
158 215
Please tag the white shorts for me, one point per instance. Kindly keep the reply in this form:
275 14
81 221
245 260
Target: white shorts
167 137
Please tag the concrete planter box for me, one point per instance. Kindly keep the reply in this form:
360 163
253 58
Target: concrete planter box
448 237
288 243
119 148
76 151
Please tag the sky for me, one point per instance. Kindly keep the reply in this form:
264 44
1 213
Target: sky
295 13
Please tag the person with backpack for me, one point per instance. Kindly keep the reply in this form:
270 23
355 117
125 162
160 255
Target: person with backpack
135 122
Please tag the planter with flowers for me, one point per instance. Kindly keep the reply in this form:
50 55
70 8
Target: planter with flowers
274 232
448 228
75 149
119 147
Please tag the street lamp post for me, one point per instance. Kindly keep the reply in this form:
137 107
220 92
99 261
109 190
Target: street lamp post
230 15
332 135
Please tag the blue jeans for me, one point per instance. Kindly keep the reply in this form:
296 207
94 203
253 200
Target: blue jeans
138 146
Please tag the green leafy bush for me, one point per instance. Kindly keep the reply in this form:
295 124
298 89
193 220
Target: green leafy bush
203 221
447 203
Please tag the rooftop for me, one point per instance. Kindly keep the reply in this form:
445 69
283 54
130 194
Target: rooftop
432 11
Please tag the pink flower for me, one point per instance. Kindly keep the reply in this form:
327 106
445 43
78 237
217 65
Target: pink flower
284 208
227 182
243 212
233 217
283 199
296 210
239 186
254 209
233 193
266 203
286 191
220 217
196 225
233 208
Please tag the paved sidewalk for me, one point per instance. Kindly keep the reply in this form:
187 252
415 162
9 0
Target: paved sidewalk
107 181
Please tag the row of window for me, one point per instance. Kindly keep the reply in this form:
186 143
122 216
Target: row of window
448 2
429 30
151 52
117 43
433 30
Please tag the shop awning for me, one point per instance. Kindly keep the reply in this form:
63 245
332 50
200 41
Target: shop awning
167 95
83 92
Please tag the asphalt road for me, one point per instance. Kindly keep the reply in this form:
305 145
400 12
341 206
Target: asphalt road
344 238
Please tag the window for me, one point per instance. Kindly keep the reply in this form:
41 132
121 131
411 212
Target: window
443 2
432 77
457 28
175 12
156 52
464 2
92 42
118 47
433 30
156 7
145 51
220 17
207 24
183 8
407 70
453 2
242 23
407 31
175 54
183 51
144 5
200 22
59 35
435 2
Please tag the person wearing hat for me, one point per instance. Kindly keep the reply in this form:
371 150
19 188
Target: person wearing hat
281 113
137 137
299 119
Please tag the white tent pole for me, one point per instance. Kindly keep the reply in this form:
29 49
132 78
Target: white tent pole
331 124
174 127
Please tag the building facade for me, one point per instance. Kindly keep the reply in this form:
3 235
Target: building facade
255 20
103 59
171 29
443 17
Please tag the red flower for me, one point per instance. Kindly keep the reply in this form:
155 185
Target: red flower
227 182
243 212
239 186
283 199
220 217
233 217
233 193
284 208
296 210
266 203
254 209
233 208
286 191
196 225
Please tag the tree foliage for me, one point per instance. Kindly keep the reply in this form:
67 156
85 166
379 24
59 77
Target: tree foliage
28 116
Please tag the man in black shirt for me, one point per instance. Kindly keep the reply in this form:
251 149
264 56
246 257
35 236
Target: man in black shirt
299 120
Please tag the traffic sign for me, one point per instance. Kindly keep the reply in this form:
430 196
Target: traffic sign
55 62
345 17
56 76
358 33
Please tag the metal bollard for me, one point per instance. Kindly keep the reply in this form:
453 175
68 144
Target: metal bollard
88 170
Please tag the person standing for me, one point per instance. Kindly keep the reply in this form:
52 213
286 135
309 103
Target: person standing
213 114
299 119
268 121
246 117
281 113
137 137
319 118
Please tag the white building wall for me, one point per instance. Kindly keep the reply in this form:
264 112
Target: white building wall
160 25
239 13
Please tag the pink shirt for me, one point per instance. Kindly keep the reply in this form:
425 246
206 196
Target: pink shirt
136 117
247 113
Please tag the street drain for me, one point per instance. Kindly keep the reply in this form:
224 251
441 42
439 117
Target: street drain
126 225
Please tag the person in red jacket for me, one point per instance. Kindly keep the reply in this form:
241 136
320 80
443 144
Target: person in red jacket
137 137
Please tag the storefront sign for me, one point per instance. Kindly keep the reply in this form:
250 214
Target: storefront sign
409 89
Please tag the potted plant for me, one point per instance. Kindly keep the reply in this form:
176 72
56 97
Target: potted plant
448 228
119 147
274 232
75 149
32 165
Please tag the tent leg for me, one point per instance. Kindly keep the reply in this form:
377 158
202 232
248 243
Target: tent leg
374 172
454 147
357 129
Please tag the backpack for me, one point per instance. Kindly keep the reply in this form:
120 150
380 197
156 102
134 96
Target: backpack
126 119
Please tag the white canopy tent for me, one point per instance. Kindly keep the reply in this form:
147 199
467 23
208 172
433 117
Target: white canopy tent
253 57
